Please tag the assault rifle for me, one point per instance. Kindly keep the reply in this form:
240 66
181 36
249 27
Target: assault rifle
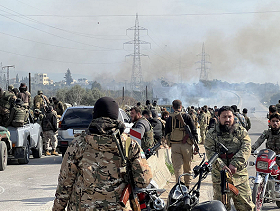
226 186
188 131
151 151
126 169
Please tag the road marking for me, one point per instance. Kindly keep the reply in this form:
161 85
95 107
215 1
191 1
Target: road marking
2 190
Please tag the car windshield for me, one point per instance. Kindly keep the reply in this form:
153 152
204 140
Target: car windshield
78 117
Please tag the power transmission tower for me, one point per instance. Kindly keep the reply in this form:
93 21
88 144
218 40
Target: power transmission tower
8 74
136 76
203 65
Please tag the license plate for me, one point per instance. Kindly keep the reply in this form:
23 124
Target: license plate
77 131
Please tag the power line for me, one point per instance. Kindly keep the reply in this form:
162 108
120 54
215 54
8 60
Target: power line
67 62
57 35
54 27
160 15
57 46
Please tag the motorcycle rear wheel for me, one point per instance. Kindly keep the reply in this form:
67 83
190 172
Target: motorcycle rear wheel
256 195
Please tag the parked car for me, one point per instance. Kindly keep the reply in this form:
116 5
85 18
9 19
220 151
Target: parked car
75 120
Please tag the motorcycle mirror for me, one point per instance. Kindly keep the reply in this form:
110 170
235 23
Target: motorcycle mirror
256 152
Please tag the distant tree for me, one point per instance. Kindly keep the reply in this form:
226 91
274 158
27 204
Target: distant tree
68 77
96 85
75 95
17 78
61 94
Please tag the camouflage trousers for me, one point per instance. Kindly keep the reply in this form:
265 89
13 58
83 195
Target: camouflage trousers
242 202
203 131
4 115
49 137
182 155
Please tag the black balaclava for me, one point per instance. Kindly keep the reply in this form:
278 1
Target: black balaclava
106 107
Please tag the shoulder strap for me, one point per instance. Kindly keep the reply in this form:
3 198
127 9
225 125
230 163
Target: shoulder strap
127 145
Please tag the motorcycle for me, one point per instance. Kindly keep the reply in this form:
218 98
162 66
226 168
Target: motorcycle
181 198
149 199
267 180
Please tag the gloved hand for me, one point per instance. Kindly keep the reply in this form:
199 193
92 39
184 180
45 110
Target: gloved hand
253 150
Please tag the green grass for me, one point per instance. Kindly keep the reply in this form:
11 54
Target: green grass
170 167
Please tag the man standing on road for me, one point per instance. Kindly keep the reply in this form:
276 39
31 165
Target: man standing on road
89 178
49 126
58 107
155 123
238 142
146 130
272 135
181 149
248 121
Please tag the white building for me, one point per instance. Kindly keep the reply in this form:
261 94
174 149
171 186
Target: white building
42 78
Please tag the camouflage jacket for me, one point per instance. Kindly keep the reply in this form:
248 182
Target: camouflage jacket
238 143
273 141
89 178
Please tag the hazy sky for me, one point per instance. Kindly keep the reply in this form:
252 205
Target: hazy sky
50 36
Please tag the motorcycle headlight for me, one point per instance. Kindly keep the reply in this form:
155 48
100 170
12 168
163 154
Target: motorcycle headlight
177 192
262 165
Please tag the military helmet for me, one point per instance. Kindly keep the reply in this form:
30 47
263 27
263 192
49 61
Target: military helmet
40 92
10 87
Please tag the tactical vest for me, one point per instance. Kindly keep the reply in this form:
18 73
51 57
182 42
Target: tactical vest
38 101
147 140
231 140
19 116
6 100
273 142
178 130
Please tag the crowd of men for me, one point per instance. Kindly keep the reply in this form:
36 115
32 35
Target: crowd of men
89 155
16 110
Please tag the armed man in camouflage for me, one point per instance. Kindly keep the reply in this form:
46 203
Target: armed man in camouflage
203 124
89 177
272 135
6 103
146 129
181 150
24 95
40 101
18 116
238 142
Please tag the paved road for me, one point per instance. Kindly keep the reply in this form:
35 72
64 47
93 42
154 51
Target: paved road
29 187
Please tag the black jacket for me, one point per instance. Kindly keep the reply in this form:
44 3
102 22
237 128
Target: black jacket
157 127
49 122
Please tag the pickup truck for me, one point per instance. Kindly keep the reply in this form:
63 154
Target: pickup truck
24 140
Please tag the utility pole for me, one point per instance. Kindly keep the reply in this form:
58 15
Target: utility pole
203 65
136 76
8 74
